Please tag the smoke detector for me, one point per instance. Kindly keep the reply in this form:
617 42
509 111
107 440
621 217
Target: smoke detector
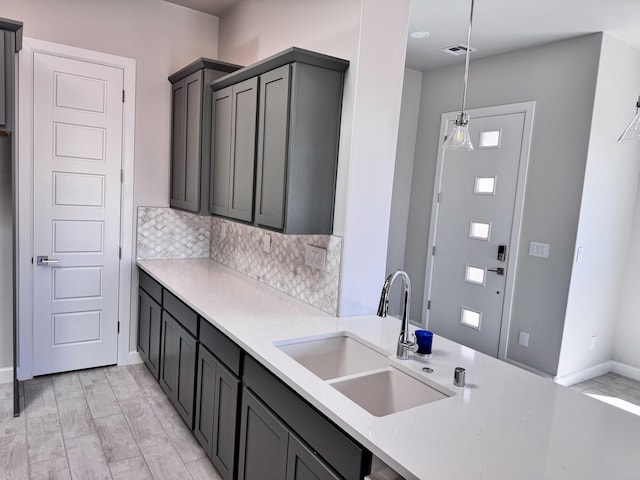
457 50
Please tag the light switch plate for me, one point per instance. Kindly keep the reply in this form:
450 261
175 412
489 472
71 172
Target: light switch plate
315 257
266 243
537 249
524 339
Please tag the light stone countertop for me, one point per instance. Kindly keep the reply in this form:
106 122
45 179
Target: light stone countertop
506 424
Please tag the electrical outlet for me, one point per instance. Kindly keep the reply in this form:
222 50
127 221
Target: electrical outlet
524 339
223 231
315 257
592 345
579 254
266 244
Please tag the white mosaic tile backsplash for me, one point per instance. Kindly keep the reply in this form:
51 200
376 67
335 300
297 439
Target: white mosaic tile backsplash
283 267
167 233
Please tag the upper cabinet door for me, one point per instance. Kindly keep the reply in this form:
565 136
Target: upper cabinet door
3 103
243 160
221 151
273 126
185 137
233 150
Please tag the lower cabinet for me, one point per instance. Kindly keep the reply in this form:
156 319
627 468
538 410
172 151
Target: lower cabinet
149 326
271 433
217 397
270 451
303 464
178 366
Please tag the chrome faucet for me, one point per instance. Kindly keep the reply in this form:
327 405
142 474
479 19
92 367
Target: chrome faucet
404 344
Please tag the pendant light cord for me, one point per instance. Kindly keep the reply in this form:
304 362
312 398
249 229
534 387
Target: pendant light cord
466 64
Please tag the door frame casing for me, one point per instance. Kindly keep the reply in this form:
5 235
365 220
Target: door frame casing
528 108
25 195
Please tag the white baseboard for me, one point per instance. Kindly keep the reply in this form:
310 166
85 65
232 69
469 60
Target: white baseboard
626 370
6 375
134 357
586 374
528 368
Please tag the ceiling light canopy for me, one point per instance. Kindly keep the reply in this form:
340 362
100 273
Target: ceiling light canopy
459 137
420 34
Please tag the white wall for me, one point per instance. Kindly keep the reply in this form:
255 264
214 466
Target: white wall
405 154
6 255
606 217
561 78
162 38
351 29
627 337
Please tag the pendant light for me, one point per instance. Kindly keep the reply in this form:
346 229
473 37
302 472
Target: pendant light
632 132
459 137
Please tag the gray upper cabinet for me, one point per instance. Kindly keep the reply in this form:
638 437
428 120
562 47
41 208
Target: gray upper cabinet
298 110
191 133
233 150
3 94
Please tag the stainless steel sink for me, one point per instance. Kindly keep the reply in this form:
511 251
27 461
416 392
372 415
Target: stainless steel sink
388 391
335 356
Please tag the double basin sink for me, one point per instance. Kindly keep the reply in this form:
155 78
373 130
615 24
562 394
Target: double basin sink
362 373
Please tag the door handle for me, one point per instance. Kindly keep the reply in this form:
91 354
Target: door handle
498 270
43 261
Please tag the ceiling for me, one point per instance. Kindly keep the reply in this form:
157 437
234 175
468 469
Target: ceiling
212 7
504 25
499 25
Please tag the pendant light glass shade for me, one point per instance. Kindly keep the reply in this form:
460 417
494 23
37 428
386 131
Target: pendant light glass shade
459 137
632 132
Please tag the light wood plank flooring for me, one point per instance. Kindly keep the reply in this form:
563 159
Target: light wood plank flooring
104 423
615 389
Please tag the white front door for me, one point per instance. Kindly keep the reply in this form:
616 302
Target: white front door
476 202
77 151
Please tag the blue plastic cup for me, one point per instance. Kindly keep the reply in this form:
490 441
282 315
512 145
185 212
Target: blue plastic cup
424 339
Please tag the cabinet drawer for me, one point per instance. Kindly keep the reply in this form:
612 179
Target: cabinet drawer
187 317
149 285
343 454
219 344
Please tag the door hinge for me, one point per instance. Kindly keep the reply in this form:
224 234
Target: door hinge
439 197
433 251
118 327
429 305
122 96
120 253
121 176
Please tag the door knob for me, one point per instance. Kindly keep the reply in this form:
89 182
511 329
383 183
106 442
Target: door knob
43 261
498 270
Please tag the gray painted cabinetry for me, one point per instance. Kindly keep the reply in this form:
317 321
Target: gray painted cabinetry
3 94
249 422
296 143
233 150
190 133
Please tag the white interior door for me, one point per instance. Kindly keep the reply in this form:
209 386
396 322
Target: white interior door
476 203
77 151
